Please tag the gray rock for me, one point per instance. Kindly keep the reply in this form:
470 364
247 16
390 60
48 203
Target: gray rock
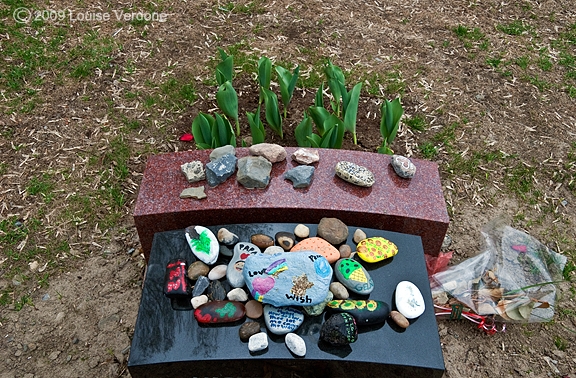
339 290
219 170
446 242
201 285
304 156
217 272
258 342
333 230
359 235
193 171
218 152
295 344
403 166
273 249
354 174
272 152
194 192
254 172
301 176
216 291
319 308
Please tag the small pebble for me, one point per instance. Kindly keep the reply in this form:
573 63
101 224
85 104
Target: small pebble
359 235
46 297
273 250
446 242
199 301
403 166
302 231
226 237
295 344
339 290
262 241
248 329
258 342
345 251
254 309
237 294
399 319
197 269
217 272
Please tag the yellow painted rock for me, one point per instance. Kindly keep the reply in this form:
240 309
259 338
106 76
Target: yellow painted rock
376 249
320 246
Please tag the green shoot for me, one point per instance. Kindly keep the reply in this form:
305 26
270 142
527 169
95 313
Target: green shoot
391 113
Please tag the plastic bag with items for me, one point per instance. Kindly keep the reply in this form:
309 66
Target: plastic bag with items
512 280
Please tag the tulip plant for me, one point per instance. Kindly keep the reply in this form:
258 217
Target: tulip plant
212 132
390 120
226 97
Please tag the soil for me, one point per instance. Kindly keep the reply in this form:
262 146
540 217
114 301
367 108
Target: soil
80 309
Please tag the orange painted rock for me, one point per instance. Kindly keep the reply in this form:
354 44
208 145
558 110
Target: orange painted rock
376 249
320 246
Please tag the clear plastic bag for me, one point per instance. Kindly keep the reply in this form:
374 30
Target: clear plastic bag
512 280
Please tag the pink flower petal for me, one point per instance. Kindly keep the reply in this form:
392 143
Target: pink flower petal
187 137
520 248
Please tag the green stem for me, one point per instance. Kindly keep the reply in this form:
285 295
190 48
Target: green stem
237 127
531 286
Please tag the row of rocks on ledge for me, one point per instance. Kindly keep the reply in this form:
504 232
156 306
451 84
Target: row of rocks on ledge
253 171
286 277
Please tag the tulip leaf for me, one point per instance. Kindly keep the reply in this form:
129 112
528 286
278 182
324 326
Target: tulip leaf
351 110
224 69
391 113
227 99
256 127
287 83
319 116
303 131
273 117
202 130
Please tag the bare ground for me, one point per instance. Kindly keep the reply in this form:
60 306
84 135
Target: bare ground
496 96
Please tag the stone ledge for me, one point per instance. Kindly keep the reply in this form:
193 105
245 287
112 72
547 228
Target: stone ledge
415 206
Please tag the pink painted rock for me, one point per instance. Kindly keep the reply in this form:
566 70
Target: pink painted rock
219 312
320 246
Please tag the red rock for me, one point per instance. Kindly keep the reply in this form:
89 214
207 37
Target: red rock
220 312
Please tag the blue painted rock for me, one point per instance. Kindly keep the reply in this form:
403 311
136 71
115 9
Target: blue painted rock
353 275
409 300
301 279
365 312
339 330
376 249
219 312
319 245
234 271
281 320
203 244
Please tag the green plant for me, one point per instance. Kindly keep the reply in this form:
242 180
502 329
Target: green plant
428 150
264 75
287 83
256 127
516 27
560 343
227 100
417 122
303 132
332 126
272 111
212 132
391 112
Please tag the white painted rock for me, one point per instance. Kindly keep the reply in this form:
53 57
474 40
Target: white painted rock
203 244
199 301
295 344
237 294
234 271
217 272
409 300
258 342
282 320
403 166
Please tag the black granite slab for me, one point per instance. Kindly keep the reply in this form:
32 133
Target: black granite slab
170 343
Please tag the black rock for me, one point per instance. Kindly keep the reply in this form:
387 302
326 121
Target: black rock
365 312
215 291
286 240
201 285
339 330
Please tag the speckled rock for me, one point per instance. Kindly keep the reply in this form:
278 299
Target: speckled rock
193 171
403 166
272 152
354 174
302 231
305 156
333 230
248 329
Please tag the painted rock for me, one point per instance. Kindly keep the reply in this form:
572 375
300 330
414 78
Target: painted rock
319 308
295 344
409 300
353 275
376 249
365 312
175 282
339 330
234 271
248 329
281 320
354 174
258 342
219 312
320 246
403 166
301 279
203 244
286 240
